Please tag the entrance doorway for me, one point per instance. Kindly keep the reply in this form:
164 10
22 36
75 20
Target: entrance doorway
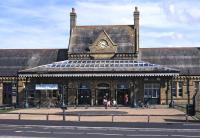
46 98
84 94
103 91
47 95
152 93
7 93
122 94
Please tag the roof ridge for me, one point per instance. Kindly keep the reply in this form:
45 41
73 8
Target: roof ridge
103 25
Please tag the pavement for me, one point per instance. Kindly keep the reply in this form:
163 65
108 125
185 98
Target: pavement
72 114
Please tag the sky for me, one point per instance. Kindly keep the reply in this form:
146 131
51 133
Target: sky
32 24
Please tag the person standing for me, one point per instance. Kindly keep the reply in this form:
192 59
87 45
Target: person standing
126 99
105 102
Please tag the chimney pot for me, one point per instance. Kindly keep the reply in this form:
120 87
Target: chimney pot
73 10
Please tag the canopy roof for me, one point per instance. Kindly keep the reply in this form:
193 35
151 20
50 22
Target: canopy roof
78 68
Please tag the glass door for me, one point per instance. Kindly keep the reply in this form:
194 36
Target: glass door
152 93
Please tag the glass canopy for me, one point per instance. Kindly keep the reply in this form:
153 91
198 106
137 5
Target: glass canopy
100 64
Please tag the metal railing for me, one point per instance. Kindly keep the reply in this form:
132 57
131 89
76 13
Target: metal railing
64 115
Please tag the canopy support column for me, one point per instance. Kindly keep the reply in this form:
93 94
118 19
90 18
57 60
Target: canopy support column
26 94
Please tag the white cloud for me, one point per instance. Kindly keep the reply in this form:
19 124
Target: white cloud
163 23
172 35
35 27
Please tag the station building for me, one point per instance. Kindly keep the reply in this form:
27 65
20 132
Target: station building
102 61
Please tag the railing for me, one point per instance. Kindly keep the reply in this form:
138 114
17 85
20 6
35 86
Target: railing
148 117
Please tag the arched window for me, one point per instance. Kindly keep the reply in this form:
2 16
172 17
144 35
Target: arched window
122 86
103 85
84 86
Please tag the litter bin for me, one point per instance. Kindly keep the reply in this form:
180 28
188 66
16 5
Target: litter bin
190 109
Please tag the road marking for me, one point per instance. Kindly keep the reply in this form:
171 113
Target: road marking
18 131
147 135
185 136
40 132
68 133
105 134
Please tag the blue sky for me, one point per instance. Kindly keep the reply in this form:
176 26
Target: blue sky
45 23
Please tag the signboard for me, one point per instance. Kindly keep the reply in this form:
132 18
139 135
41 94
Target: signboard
46 86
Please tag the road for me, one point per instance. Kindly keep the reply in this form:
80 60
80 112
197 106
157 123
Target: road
59 129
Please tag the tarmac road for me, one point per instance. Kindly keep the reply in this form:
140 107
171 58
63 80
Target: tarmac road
59 129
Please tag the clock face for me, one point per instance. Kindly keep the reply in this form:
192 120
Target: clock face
103 43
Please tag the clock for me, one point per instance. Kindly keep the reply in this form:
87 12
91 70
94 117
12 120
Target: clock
103 44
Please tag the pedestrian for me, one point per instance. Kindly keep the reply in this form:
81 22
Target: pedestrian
126 99
108 103
105 102
114 103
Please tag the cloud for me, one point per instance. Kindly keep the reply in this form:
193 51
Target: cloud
33 26
45 24
171 35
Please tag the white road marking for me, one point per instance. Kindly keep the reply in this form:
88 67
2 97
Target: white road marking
185 136
105 134
40 132
18 131
147 135
68 133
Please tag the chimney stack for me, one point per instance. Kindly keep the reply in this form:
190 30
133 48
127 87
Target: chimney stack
72 19
136 15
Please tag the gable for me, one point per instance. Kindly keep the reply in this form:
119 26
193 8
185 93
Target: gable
82 37
103 47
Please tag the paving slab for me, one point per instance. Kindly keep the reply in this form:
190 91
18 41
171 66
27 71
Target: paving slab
72 114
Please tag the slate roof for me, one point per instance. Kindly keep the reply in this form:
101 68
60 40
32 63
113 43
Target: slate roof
83 36
13 60
183 59
74 67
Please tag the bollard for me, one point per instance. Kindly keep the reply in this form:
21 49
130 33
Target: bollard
79 117
63 114
47 117
186 118
19 116
112 118
148 118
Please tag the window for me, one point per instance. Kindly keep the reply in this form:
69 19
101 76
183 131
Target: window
151 90
174 89
180 89
196 86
